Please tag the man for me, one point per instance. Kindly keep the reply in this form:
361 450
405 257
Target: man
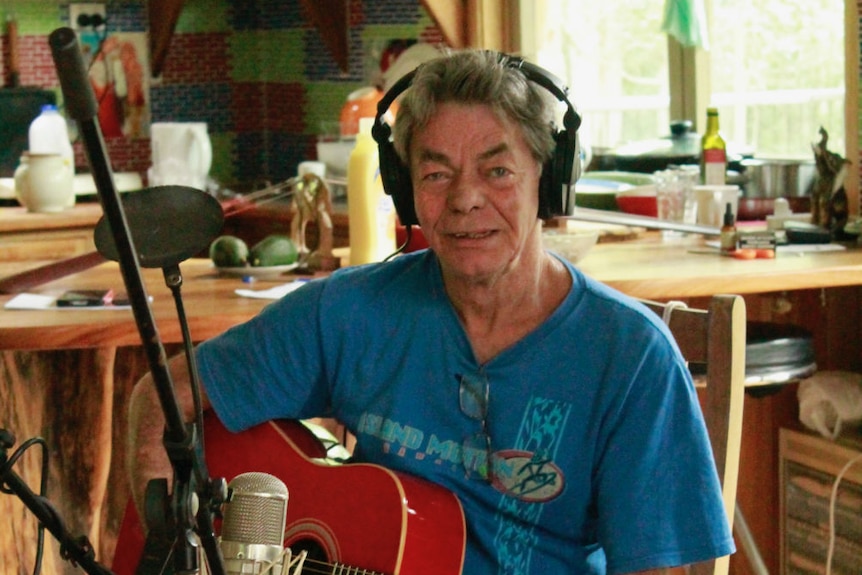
558 410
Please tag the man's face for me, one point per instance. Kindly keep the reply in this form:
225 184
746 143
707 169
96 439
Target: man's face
476 192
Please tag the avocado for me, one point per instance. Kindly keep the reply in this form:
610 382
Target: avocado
274 250
229 252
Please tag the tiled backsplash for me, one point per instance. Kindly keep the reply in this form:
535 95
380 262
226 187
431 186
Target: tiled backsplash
255 70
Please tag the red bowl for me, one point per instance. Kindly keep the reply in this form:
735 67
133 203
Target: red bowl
637 201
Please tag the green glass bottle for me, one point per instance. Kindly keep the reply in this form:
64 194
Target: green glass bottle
713 151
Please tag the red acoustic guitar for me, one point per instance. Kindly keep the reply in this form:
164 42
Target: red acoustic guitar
355 518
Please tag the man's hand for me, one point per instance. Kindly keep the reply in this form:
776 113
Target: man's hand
146 457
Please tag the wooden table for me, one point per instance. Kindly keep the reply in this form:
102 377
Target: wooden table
67 374
211 306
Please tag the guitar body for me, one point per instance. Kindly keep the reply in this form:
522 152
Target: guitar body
361 516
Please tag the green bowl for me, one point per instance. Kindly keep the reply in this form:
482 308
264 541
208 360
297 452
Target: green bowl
598 190
631 178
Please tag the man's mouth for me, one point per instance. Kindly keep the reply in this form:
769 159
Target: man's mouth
472 235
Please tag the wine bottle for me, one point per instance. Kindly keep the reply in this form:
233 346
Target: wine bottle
713 152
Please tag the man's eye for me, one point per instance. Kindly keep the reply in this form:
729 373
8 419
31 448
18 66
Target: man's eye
499 172
433 176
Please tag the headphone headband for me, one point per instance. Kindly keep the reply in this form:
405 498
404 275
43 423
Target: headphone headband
556 187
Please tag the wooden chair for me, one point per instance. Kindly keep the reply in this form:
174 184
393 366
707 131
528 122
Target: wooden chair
714 339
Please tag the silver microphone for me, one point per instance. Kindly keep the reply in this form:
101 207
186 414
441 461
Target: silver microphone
252 535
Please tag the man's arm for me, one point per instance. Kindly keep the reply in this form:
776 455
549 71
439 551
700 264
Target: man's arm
146 457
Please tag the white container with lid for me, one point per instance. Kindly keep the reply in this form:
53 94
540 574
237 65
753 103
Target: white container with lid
49 134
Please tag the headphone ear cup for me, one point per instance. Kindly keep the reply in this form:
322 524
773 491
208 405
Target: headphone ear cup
567 168
547 209
397 183
559 175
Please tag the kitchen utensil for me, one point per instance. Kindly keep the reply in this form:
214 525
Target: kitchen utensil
598 194
571 245
712 202
674 190
599 189
44 183
181 154
774 178
640 201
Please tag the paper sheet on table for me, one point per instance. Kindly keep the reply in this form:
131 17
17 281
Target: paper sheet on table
808 248
49 302
276 292
795 248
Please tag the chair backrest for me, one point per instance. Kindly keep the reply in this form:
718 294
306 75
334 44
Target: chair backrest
714 339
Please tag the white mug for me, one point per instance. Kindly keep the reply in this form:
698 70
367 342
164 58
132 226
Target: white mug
45 183
181 154
712 202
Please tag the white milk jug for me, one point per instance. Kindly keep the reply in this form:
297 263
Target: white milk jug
181 154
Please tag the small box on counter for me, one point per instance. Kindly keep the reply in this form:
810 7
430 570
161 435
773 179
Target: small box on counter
759 240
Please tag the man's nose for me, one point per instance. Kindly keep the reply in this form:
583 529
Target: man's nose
466 193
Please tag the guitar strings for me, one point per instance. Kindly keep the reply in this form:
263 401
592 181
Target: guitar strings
324 567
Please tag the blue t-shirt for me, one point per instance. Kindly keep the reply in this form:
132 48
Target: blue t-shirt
601 462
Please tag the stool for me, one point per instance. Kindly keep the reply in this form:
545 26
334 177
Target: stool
775 355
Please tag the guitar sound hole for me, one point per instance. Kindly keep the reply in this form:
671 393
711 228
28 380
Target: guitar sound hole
315 551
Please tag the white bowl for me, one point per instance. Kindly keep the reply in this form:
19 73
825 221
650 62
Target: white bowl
335 155
572 245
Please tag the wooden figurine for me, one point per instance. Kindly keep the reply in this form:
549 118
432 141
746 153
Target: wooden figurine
828 197
312 203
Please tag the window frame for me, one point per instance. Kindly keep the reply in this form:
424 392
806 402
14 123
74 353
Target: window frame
690 87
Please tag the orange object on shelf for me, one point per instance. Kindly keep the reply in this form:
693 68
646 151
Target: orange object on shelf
362 103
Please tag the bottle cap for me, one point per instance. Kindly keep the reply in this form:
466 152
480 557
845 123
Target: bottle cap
728 214
365 125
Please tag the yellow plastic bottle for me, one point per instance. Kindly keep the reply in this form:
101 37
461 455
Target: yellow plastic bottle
370 211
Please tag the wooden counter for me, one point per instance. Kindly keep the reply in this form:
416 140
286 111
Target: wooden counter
28 236
658 268
67 374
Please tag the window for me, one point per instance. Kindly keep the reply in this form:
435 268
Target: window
775 69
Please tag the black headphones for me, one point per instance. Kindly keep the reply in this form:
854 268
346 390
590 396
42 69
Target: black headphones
560 172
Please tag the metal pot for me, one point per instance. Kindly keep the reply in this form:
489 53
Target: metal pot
767 178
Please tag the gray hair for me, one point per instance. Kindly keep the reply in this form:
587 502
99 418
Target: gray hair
477 77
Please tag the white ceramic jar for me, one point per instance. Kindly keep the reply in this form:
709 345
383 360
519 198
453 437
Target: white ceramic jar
44 183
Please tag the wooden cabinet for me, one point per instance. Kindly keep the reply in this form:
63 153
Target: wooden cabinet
808 470
834 317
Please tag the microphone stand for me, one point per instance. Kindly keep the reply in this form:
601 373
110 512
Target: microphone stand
77 551
194 494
